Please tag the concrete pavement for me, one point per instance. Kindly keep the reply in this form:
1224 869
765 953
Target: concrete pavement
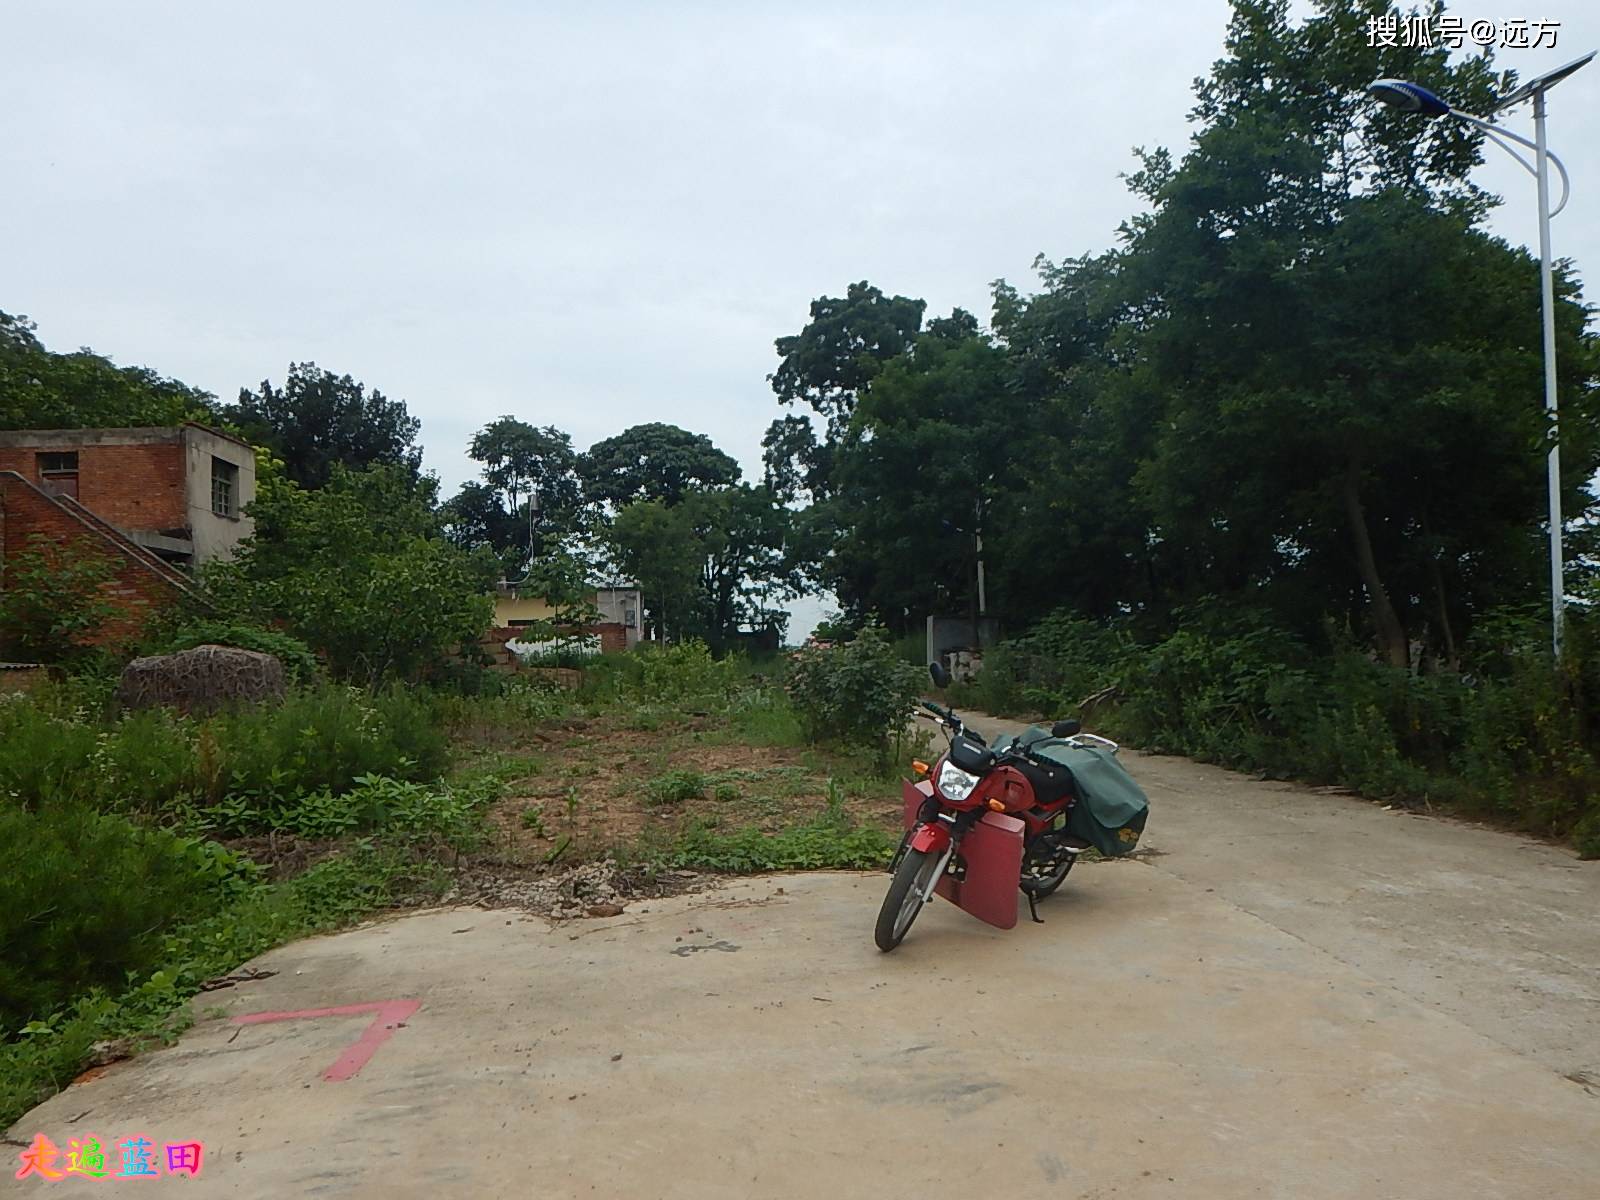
1301 996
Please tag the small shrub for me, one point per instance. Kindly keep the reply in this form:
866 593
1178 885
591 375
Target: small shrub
129 886
533 819
44 758
859 693
681 675
675 787
1586 834
726 793
323 739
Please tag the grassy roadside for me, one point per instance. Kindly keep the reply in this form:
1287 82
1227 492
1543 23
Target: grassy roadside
698 767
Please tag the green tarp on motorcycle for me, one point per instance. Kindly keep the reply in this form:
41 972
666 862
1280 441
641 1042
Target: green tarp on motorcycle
1111 808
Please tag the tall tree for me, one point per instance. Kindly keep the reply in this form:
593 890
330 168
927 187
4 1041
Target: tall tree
1331 344
40 389
826 366
742 534
318 420
476 518
926 459
653 462
657 546
536 471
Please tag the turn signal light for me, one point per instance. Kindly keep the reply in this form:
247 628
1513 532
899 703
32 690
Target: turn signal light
996 805
920 767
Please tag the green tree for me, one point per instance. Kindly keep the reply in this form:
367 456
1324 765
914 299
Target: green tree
360 571
826 366
925 459
741 533
40 389
536 471
657 546
53 600
828 363
653 462
476 519
318 421
1336 364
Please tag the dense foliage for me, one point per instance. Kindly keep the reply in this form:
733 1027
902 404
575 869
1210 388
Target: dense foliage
318 421
360 571
42 389
1307 380
1514 739
860 692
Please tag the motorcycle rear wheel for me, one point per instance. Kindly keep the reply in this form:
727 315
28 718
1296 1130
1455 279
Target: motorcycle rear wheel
1040 886
904 901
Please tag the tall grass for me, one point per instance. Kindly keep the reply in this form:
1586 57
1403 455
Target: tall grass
321 739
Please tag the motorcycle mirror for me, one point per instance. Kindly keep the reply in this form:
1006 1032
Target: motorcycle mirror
941 676
1066 728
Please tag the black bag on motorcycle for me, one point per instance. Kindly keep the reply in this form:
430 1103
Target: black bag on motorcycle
1111 808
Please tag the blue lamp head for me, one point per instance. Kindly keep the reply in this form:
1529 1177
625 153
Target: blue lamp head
1408 97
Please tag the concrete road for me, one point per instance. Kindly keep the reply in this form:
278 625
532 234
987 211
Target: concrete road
1302 996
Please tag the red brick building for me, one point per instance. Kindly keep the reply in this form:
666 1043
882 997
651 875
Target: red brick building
155 501
179 491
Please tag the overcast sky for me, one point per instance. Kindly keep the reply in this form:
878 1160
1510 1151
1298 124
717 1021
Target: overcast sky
592 215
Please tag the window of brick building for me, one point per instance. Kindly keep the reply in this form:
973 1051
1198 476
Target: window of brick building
224 487
58 472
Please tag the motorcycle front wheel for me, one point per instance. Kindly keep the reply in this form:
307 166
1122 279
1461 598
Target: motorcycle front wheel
904 901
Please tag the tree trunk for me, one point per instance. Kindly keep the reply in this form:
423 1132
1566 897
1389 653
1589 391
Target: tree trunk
1391 637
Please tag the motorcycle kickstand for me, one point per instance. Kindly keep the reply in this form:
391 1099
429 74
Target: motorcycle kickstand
1033 908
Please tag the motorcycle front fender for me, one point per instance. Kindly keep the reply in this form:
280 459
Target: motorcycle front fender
931 839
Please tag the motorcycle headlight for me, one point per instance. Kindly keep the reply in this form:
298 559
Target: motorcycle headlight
954 783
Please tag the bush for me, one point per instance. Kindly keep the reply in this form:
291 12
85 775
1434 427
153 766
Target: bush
45 754
324 740
683 674
1518 742
129 886
299 663
321 740
675 787
860 693
54 600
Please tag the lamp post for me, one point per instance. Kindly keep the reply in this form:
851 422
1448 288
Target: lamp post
1410 97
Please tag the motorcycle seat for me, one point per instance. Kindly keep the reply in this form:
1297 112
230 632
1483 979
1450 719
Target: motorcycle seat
1050 783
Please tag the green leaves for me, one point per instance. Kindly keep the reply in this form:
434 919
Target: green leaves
319 421
53 600
860 693
654 462
44 390
358 570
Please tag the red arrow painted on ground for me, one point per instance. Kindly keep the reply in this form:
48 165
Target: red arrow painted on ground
389 1016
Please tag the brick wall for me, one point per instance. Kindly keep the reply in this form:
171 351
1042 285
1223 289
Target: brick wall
137 591
136 486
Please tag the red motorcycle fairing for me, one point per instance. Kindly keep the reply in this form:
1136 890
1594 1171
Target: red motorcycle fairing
992 851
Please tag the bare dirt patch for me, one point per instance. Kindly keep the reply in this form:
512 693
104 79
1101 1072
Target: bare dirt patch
592 794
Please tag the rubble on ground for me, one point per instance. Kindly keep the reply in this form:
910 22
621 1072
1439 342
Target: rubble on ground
597 889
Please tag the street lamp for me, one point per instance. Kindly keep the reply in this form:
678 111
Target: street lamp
1410 97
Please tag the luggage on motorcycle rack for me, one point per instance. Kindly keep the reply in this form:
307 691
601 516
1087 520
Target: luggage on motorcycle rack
1111 808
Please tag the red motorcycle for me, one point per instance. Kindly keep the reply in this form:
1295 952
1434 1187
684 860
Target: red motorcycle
991 821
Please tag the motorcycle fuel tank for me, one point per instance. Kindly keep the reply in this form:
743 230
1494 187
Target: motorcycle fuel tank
992 851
